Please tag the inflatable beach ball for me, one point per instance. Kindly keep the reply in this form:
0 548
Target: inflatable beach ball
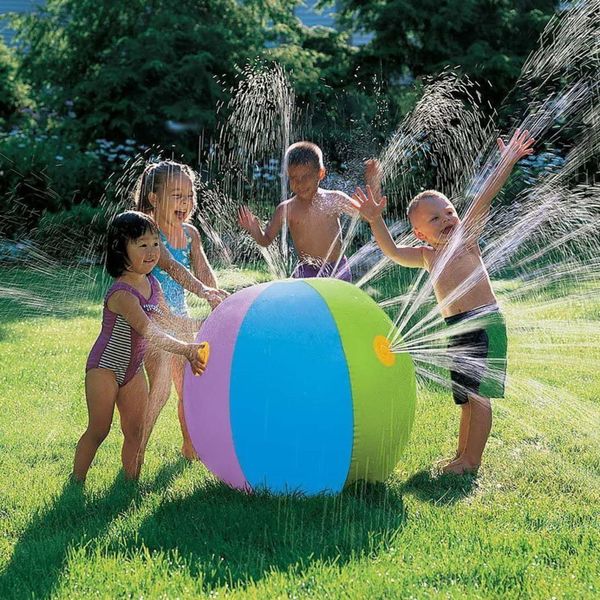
301 392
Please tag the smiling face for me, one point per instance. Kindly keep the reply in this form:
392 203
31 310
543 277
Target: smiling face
304 180
434 219
174 201
143 253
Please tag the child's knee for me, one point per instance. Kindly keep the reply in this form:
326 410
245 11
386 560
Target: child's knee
133 432
480 402
159 394
97 435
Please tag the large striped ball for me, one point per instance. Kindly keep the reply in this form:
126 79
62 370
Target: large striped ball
301 392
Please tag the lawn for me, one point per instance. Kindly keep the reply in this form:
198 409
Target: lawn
527 526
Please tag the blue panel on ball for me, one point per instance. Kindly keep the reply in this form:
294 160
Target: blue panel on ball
290 394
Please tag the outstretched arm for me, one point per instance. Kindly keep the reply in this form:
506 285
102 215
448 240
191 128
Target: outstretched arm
185 278
167 318
249 222
128 306
372 211
519 146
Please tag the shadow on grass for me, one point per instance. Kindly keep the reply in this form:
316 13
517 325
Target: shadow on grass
71 521
231 538
439 489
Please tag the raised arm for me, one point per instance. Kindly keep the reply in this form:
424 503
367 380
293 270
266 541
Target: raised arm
185 278
128 306
477 214
372 211
249 222
373 177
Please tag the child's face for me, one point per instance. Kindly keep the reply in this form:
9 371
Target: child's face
304 180
434 220
143 253
174 202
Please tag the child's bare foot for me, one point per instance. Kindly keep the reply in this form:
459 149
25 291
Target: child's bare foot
188 452
460 467
440 464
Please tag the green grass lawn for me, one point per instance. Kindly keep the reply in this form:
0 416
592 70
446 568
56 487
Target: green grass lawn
528 526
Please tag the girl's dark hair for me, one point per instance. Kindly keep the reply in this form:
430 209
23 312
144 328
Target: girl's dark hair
125 227
154 177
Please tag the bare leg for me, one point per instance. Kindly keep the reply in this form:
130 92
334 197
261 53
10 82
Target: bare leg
158 367
101 391
132 402
463 432
187 448
479 430
480 425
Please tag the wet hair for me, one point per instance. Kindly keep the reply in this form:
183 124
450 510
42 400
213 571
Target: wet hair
154 178
304 153
125 227
413 205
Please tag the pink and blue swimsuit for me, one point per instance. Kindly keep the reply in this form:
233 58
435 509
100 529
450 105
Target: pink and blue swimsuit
119 348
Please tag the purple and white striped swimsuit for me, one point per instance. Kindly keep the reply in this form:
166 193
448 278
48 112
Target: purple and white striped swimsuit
119 347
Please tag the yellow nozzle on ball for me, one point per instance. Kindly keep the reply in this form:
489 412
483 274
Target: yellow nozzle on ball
383 350
204 352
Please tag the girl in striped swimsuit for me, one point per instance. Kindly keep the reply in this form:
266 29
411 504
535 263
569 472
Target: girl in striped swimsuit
114 373
166 191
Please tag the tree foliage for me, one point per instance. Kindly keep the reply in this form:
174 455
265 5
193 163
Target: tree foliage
143 69
13 93
488 39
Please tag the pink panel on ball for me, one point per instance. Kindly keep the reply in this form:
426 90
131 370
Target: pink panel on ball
206 398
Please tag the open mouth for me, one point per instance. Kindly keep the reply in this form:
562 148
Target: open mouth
181 214
448 230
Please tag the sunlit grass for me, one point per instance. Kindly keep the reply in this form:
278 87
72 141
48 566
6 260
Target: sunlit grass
527 527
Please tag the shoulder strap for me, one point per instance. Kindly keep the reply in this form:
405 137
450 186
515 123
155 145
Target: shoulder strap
163 238
156 289
125 287
188 235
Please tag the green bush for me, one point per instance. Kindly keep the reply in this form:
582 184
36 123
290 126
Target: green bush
50 172
41 172
13 93
76 234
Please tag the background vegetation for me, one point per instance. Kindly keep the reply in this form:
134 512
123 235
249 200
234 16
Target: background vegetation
92 83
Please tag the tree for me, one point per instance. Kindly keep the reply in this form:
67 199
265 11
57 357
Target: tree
488 39
151 70
13 93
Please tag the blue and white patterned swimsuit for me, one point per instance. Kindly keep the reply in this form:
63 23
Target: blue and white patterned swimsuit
173 292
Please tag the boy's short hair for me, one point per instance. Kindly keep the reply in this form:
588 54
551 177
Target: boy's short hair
124 227
304 153
413 205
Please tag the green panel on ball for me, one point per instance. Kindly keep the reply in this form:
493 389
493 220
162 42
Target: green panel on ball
383 383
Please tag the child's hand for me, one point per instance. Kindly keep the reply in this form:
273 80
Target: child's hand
519 146
369 208
373 173
193 355
214 296
247 220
